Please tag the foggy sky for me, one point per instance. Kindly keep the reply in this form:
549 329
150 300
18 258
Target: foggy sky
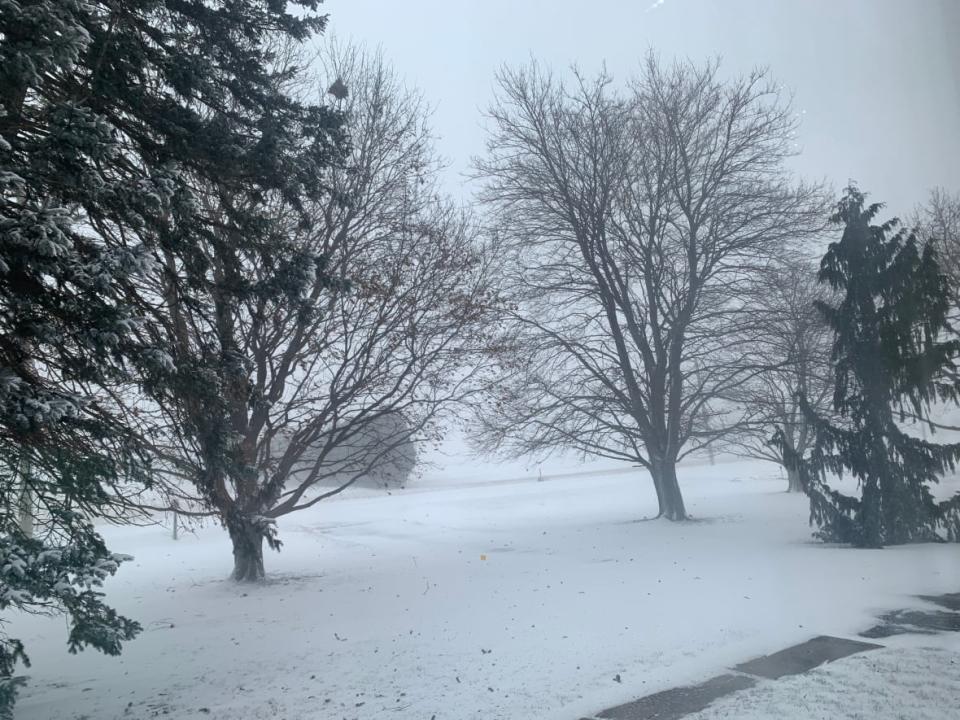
877 82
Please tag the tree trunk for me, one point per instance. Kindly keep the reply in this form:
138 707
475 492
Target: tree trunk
664 473
26 511
793 480
25 499
658 487
247 553
870 520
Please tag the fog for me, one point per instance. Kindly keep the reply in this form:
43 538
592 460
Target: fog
874 108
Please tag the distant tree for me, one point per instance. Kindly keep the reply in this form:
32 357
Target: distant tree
386 439
311 391
632 226
791 344
110 114
890 357
939 220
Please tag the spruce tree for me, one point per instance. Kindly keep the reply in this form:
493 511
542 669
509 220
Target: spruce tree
891 356
112 116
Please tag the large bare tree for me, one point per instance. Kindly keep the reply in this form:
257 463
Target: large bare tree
633 222
319 390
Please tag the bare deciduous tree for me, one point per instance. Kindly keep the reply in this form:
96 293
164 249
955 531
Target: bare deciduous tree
939 220
632 224
792 344
327 389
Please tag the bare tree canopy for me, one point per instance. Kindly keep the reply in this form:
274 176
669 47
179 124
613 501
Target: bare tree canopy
325 391
792 346
939 220
632 223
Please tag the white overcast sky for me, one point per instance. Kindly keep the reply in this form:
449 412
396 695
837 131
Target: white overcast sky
877 81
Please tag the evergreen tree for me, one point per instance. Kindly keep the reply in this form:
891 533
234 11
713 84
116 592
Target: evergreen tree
112 116
890 358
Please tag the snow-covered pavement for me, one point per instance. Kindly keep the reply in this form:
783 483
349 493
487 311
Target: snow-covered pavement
504 600
915 678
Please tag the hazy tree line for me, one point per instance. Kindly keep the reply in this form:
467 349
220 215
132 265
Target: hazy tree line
231 285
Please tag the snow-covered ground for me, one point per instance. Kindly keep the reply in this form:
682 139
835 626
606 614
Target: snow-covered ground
915 678
487 600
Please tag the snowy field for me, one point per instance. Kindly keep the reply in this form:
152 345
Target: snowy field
507 599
